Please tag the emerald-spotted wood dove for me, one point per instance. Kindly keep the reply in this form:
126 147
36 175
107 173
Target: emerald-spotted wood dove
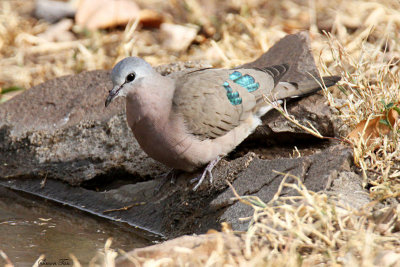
191 118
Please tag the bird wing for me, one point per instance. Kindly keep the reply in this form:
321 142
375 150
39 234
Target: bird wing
215 101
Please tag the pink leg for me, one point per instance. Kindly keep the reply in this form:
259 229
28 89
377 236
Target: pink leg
207 170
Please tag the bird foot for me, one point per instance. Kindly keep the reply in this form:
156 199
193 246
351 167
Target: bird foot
207 170
169 176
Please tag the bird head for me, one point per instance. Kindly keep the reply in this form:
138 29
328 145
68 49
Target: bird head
126 76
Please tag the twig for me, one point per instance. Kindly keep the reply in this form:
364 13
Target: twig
126 207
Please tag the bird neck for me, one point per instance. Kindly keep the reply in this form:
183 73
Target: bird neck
151 103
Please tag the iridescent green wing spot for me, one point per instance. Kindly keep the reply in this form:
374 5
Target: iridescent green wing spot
233 97
245 81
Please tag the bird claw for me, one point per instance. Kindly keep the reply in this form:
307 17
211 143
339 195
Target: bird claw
207 170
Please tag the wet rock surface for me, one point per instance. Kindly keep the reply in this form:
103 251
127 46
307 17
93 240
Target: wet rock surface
177 210
31 226
57 141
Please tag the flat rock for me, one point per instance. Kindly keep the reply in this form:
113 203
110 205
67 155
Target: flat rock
177 210
348 190
295 50
262 178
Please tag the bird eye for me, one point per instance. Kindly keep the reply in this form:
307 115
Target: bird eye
130 77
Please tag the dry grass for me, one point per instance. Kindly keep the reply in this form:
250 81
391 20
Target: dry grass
314 229
305 230
371 81
362 46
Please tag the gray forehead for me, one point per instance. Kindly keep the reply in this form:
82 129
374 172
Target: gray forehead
129 65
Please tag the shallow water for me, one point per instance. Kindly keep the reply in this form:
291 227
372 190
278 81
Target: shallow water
30 227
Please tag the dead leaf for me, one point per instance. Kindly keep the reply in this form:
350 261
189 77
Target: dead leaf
101 14
178 37
150 18
375 127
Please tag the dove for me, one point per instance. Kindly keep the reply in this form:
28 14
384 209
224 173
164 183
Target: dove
192 118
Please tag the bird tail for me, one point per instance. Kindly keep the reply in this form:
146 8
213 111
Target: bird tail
285 90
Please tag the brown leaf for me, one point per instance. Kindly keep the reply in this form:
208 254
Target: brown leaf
151 18
101 14
178 37
374 129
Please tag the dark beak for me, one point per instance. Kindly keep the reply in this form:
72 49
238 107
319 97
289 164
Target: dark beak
112 94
